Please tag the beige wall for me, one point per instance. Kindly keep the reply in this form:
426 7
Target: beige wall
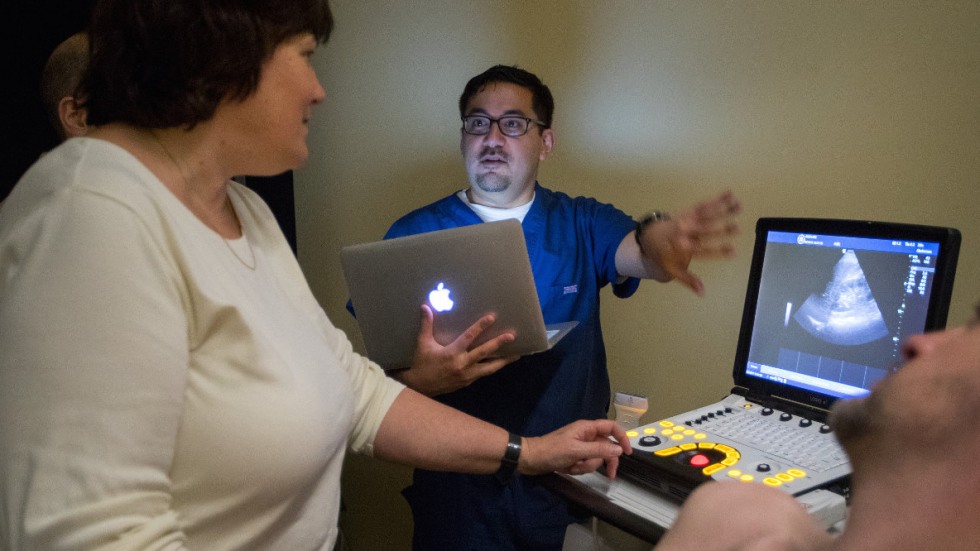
854 109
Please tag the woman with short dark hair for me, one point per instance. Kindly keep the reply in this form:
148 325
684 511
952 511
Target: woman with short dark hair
167 379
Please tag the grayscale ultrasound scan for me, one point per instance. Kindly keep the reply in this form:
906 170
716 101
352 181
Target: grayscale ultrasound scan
846 313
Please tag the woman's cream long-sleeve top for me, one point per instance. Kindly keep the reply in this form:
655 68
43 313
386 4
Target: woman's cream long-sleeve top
156 390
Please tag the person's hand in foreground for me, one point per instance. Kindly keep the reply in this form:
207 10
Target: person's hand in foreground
743 517
438 369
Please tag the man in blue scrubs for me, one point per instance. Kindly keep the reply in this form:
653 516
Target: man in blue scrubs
576 246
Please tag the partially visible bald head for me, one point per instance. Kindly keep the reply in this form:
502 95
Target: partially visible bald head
60 80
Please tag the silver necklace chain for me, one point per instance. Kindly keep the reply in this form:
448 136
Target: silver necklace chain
251 251
227 242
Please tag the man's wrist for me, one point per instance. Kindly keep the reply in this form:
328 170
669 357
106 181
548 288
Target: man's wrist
648 220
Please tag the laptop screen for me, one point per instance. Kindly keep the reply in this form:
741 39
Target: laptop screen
830 303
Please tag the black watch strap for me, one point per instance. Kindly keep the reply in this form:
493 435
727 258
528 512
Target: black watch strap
652 218
508 464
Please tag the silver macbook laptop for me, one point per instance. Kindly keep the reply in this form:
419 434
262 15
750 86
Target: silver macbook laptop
828 305
462 274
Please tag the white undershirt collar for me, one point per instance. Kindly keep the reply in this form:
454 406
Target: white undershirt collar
492 214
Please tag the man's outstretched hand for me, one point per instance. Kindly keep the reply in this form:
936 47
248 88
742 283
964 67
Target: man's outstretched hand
705 230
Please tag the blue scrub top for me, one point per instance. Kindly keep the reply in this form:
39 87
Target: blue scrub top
572 246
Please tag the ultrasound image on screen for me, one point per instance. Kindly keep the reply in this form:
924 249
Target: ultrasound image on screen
835 315
846 313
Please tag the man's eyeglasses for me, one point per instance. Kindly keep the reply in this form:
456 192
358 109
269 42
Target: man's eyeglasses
513 126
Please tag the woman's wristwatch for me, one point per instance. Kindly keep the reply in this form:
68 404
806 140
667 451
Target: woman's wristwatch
508 464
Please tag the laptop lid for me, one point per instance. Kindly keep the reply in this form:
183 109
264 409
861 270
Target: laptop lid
463 274
830 302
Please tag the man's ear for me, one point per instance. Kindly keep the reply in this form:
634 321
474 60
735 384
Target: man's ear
72 117
547 143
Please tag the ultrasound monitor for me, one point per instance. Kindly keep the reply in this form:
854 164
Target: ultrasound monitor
830 303
827 308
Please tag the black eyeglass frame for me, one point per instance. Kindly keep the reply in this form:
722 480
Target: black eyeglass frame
492 120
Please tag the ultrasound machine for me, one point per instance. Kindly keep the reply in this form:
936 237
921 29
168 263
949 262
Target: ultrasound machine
828 305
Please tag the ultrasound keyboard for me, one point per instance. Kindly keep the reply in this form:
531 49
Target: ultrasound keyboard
782 438
734 440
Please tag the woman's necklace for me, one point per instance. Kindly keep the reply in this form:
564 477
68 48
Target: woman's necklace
241 243
246 249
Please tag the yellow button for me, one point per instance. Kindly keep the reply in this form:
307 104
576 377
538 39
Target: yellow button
746 478
706 445
797 473
668 432
724 448
700 436
649 430
689 432
784 477
712 469
666 423
733 455
667 451
734 473
677 437
632 434
729 462
770 481
688 446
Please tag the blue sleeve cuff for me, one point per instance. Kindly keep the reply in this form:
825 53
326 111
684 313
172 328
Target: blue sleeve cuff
626 288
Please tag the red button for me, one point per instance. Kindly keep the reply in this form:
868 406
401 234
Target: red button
699 460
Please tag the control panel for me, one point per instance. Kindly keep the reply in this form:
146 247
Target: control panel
735 440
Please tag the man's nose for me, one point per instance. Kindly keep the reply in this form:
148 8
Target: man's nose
922 344
495 135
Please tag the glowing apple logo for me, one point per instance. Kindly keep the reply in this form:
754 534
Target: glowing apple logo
439 299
